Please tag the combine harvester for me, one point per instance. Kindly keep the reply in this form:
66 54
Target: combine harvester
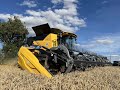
52 51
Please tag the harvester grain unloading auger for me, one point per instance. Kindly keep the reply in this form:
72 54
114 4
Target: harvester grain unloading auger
51 51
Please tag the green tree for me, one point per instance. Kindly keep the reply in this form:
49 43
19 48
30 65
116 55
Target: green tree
12 35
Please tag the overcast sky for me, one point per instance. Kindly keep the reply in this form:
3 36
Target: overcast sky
96 22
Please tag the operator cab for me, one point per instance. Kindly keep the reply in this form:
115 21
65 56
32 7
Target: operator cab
69 40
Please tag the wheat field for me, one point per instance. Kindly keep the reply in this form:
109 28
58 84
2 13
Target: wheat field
99 78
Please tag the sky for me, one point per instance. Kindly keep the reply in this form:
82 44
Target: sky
96 22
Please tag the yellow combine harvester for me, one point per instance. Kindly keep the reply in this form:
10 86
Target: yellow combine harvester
51 51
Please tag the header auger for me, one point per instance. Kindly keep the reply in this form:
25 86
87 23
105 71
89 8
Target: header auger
52 51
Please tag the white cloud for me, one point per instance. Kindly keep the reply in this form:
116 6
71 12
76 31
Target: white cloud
65 18
28 3
114 55
105 41
64 28
88 46
65 12
5 16
33 13
109 44
56 1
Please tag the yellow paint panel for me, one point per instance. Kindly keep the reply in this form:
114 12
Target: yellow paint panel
49 42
